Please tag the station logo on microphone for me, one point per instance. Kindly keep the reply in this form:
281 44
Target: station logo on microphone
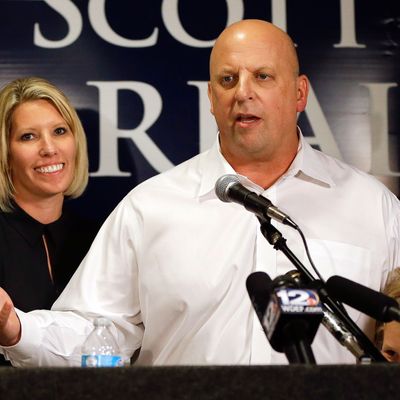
298 300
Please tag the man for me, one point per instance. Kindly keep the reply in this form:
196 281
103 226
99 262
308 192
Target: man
388 334
169 265
256 92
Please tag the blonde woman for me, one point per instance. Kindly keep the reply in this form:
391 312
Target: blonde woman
43 161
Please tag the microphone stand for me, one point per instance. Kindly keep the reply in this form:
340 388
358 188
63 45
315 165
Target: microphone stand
275 238
296 346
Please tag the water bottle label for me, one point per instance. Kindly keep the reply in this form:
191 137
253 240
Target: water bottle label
101 361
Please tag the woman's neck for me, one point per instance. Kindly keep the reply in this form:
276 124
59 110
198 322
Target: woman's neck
44 210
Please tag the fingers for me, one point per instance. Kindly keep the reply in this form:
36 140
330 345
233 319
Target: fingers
5 313
10 326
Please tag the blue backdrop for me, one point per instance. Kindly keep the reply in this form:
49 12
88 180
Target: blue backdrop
137 73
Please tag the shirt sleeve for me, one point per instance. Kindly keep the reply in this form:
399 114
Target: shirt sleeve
392 218
105 284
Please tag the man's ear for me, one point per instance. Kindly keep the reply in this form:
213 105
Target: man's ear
210 97
302 92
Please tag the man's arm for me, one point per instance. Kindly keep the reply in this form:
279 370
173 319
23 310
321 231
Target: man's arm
105 284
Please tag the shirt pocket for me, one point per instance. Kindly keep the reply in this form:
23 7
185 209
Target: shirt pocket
336 258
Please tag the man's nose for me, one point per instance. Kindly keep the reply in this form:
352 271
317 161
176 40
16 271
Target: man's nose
245 88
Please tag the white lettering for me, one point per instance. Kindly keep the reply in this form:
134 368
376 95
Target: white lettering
109 132
170 14
378 114
279 18
207 125
347 25
71 14
323 134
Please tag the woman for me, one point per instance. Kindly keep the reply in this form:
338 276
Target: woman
388 334
43 160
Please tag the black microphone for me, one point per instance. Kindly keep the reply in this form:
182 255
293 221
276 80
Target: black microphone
330 321
259 288
289 316
229 189
375 304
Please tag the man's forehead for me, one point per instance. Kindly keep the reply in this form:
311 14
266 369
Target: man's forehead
254 54
250 57
251 66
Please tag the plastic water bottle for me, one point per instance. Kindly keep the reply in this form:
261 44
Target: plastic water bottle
100 348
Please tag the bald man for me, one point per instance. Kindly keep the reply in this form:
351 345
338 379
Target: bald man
169 265
256 92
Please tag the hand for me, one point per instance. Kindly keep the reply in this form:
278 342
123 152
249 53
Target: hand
10 326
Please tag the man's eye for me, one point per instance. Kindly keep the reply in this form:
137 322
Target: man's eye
226 80
263 76
27 136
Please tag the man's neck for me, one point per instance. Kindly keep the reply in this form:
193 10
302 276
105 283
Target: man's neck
262 172
264 168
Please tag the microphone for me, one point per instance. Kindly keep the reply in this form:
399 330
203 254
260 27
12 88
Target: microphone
329 320
259 287
375 304
289 316
229 189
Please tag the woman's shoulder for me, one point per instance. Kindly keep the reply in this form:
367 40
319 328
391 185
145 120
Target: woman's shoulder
74 226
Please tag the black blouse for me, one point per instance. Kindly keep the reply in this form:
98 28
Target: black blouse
24 271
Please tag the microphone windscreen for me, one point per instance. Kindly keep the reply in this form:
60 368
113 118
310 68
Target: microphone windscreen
222 184
362 298
259 287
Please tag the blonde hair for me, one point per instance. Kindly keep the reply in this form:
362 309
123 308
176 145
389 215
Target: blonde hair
34 88
392 289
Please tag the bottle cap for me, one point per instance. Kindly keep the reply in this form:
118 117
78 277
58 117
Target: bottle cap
102 321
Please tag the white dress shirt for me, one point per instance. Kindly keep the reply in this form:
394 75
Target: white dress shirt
170 263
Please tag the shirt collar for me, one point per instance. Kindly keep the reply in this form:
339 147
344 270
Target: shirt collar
213 165
31 229
306 166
